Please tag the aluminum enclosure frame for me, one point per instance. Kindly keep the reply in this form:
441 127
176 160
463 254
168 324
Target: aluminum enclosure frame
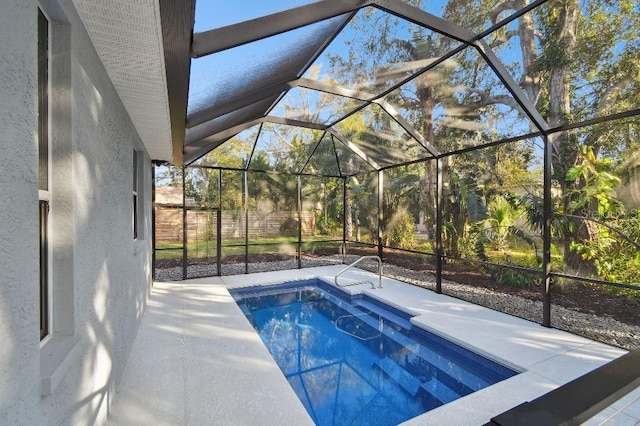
246 32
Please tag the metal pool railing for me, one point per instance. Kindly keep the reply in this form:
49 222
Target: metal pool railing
373 286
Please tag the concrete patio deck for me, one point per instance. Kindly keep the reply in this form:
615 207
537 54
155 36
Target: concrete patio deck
197 360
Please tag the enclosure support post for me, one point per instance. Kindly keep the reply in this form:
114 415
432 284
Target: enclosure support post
185 255
299 251
380 212
344 218
439 198
219 226
546 235
245 191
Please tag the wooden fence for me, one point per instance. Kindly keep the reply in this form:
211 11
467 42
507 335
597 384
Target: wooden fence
202 224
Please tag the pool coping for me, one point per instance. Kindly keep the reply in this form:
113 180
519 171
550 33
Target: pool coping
547 357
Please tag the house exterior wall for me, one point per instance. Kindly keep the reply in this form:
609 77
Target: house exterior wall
100 274
19 353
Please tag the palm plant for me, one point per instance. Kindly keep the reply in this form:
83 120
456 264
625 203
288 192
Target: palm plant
500 218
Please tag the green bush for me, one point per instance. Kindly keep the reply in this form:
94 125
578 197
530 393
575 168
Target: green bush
328 228
402 232
514 278
289 228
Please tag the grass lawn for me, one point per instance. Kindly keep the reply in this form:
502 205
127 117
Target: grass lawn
207 248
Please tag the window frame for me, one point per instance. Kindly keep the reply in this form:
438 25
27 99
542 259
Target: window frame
44 173
61 348
136 186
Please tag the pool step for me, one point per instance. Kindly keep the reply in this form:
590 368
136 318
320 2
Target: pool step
352 283
399 375
372 307
467 379
408 382
440 391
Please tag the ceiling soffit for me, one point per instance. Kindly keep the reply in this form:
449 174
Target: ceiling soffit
127 36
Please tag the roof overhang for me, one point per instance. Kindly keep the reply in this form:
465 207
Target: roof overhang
145 48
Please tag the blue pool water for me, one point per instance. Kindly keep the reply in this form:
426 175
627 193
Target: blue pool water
355 361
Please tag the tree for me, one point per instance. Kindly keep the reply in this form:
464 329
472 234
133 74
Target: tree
574 61
586 59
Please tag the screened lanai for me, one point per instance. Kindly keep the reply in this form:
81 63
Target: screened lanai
493 144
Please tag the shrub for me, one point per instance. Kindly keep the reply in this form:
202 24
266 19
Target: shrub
328 228
289 228
401 233
514 278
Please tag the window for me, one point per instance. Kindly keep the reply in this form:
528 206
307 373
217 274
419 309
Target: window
59 344
135 194
138 194
44 193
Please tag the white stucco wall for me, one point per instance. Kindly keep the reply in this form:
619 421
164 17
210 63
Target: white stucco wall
102 274
19 354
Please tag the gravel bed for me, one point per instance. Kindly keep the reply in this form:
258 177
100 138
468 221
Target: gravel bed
602 329
198 271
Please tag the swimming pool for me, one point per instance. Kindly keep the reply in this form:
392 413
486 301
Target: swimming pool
354 360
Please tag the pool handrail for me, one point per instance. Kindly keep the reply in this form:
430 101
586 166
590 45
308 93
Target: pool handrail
373 286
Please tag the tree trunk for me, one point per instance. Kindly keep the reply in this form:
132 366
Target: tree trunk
348 217
526 31
427 103
565 145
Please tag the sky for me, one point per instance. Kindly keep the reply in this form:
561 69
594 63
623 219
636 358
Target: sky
248 60
217 76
